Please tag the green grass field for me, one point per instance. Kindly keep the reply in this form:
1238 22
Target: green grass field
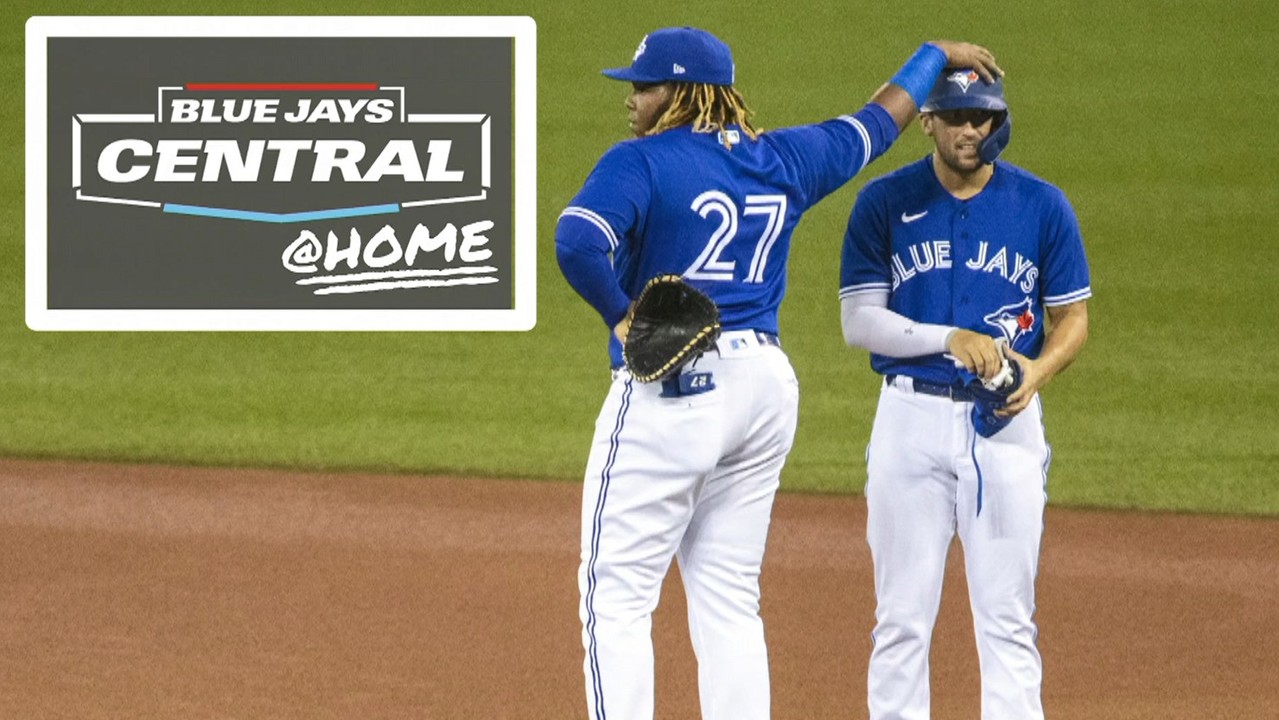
1154 117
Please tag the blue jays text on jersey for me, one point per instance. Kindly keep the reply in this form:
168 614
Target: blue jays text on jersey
718 213
990 264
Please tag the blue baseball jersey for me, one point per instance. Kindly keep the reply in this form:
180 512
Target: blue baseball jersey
684 203
990 264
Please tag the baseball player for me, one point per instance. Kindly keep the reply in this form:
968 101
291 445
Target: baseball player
688 467
951 266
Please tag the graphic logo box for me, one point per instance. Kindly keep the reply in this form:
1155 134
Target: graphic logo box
281 173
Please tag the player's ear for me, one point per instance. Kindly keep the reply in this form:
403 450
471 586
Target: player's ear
926 123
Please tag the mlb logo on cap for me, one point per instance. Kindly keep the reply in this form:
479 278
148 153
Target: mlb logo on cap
685 54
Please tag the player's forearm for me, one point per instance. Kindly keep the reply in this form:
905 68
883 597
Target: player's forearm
903 95
1066 337
884 332
589 271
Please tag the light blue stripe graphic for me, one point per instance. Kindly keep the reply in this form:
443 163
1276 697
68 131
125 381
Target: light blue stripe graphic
228 214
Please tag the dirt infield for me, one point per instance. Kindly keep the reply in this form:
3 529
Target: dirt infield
176 593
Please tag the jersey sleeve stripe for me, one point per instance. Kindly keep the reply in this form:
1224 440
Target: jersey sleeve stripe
594 219
863 289
865 136
1068 298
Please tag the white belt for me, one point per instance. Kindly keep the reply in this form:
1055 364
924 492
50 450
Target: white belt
733 343
737 343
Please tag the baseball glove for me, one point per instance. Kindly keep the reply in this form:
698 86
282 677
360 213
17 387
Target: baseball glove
671 324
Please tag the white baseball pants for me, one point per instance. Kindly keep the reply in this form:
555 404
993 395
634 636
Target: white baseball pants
693 478
930 474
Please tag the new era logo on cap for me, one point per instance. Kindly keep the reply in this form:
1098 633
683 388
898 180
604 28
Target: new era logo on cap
678 69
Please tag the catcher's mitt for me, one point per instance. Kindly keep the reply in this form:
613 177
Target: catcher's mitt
671 323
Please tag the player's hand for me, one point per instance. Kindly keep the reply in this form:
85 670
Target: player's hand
1032 378
977 352
962 54
623 328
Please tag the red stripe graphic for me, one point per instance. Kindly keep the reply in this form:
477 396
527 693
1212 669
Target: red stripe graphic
295 87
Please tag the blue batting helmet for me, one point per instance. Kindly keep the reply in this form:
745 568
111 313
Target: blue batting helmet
964 89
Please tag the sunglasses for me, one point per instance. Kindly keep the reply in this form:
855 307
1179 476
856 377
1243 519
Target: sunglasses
956 118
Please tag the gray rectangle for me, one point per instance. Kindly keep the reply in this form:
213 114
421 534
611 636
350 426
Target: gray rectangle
278 173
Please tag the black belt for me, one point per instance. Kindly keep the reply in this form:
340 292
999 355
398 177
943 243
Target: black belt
957 394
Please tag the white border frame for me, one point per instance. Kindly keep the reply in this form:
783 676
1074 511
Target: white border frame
522 317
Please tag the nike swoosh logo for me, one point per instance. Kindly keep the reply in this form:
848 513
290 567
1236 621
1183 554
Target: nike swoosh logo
912 218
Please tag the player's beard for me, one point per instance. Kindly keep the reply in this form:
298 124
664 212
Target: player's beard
961 157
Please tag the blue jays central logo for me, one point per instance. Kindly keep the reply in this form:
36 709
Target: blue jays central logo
963 78
1013 321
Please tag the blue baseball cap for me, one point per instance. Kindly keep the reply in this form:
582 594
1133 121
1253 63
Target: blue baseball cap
963 88
681 54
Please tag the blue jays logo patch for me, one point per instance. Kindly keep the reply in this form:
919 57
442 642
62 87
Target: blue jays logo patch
964 79
1013 321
